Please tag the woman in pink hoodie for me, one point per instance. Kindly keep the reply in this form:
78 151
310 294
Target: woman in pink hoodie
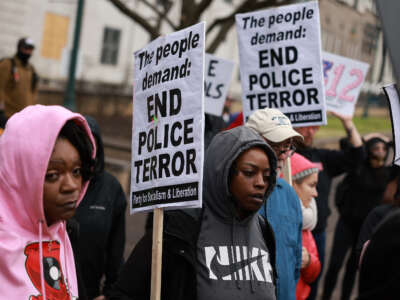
46 158
305 178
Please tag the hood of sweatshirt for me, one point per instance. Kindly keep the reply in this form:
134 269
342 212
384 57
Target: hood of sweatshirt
94 127
233 255
224 149
36 259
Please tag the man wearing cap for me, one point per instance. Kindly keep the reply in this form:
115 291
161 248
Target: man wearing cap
18 80
282 210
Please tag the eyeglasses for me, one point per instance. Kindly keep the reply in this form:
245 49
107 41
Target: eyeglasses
280 149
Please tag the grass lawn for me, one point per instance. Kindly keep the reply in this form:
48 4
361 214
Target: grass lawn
377 121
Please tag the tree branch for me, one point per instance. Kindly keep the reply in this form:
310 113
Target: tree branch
201 7
246 6
137 18
191 13
162 15
227 22
221 35
186 13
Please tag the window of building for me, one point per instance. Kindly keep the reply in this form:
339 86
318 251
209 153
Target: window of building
370 38
55 34
109 51
328 20
353 29
338 46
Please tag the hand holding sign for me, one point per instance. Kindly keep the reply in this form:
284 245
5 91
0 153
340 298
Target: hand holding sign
351 130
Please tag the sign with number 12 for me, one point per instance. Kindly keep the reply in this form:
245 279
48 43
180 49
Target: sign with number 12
343 78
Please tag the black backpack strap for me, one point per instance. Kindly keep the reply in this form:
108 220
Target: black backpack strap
14 73
13 69
35 79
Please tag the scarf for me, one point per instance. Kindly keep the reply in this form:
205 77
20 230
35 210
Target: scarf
309 215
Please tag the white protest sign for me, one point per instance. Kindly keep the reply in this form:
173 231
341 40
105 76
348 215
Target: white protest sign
218 74
343 78
168 122
392 94
280 62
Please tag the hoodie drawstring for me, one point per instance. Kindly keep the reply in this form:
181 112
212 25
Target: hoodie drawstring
65 262
42 282
249 265
41 260
235 273
250 272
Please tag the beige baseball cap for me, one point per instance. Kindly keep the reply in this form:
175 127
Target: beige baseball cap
272 125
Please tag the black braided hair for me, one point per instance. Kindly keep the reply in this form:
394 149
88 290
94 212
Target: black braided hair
78 137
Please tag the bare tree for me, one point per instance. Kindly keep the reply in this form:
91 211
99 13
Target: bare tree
191 13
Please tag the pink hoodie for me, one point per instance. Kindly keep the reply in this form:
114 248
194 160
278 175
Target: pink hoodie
27 244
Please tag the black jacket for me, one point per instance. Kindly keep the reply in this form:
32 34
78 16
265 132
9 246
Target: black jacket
371 222
193 237
380 268
334 163
181 228
73 234
101 216
360 191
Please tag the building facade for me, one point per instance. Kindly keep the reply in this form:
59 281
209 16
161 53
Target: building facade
109 39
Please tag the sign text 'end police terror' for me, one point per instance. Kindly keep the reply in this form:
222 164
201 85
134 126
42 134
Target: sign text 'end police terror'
168 103
281 79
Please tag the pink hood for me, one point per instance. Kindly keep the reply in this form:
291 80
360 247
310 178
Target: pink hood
27 244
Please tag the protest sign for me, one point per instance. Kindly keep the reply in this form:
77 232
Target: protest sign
343 79
392 94
168 122
217 76
280 62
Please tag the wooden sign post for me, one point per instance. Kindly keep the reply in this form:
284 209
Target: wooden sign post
156 261
287 171
168 131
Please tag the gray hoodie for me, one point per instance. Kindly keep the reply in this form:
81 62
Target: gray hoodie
234 260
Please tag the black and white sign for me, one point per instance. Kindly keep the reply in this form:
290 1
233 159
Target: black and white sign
392 94
218 74
168 122
281 64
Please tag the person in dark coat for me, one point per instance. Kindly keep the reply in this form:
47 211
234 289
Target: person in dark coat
101 217
225 250
361 190
391 201
332 163
380 267
379 276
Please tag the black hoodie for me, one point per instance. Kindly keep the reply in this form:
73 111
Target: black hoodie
101 216
380 268
187 262
232 253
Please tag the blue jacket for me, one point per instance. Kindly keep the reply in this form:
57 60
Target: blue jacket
283 212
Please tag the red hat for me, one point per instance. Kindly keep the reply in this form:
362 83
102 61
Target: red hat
301 166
